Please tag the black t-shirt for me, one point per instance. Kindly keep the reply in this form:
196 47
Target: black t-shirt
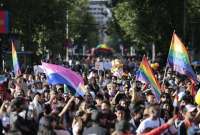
94 88
182 130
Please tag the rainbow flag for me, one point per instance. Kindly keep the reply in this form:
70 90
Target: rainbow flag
104 47
17 70
145 75
178 58
57 74
4 22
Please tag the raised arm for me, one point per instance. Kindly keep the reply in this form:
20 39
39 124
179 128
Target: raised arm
66 107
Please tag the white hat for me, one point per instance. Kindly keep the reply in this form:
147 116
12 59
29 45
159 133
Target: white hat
190 108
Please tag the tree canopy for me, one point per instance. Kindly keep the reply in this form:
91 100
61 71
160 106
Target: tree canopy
153 21
41 24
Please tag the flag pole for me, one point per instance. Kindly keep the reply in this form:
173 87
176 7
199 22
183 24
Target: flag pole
166 67
3 65
163 81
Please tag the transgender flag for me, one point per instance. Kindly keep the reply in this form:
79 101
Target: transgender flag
57 74
16 68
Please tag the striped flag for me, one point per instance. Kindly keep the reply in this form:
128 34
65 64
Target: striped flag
16 67
145 75
178 58
57 74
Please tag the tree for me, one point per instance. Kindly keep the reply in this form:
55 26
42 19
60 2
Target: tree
83 26
42 24
194 28
149 21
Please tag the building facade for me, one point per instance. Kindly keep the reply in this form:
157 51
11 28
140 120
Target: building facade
98 9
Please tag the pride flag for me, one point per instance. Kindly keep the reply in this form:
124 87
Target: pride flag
104 47
145 75
16 68
57 74
4 22
178 58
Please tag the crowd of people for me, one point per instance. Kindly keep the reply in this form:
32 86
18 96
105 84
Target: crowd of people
112 105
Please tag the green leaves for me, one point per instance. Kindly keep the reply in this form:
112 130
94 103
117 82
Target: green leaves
42 23
152 21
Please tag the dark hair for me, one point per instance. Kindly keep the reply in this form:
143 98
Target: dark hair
188 98
95 116
165 95
122 126
17 103
119 108
46 91
80 98
37 93
135 108
47 109
166 83
60 90
99 96
106 102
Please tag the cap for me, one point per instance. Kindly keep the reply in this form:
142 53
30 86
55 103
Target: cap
190 108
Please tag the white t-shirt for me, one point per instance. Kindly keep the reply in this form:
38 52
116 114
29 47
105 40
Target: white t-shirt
149 123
